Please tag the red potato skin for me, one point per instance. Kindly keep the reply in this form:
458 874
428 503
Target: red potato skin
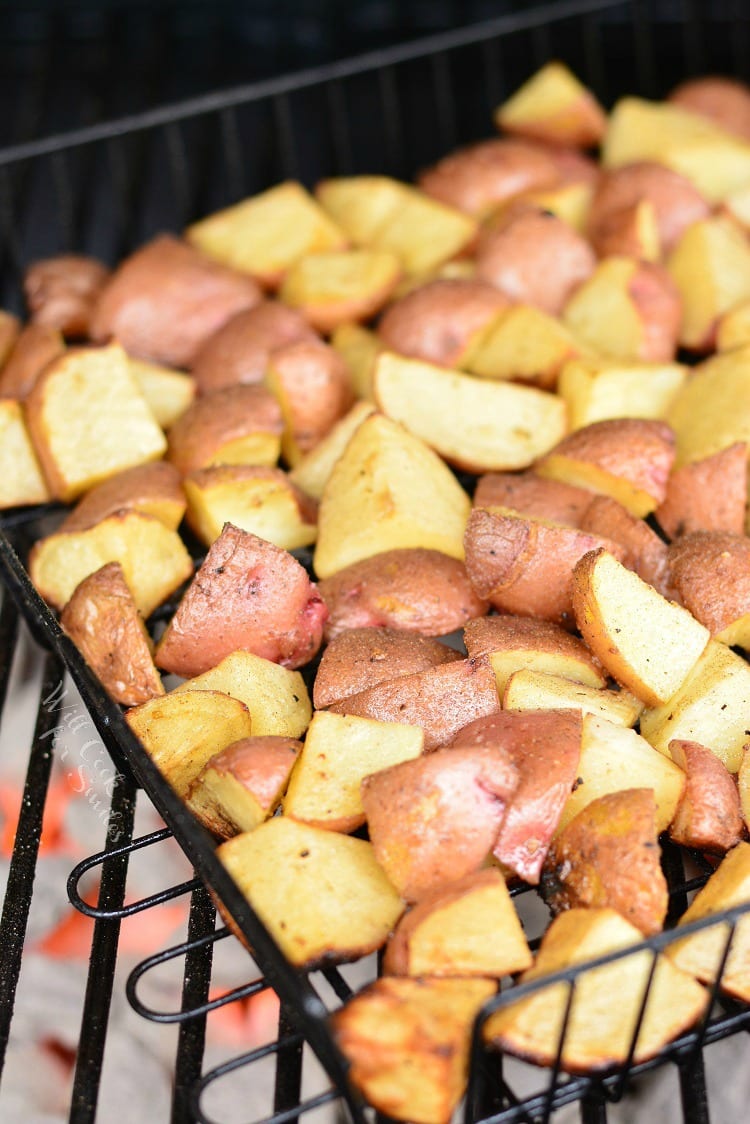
316 388
240 350
707 495
490 634
545 747
61 292
710 571
722 100
250 595
165 300
709 816
533 495
479 178
213 421
435 819
437 321
572 166
677 204
645 552
35 348
135 488
413 589
657 299
261 764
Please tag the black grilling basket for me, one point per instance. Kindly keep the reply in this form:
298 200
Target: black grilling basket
105 189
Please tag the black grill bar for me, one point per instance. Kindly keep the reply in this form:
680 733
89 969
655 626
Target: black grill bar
196 984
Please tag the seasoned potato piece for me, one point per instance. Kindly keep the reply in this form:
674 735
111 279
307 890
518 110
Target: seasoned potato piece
359 348
597 389
645 553
168 393
61 292
538 690
467 928
413 589
553 106
526 345
608 857
248 594
708 816
743 784
242 785
312 472
31 351
436 819
252 497
722 100
569 201
707 495
712 411
710 265
21 479
440 699
237 425
10 328
102 620
533 495
321 895
361 205
408 1044
631 232
710 571
311 383
360 658
523 642
340 286
479 178
240 350
153 489
675 201
165 300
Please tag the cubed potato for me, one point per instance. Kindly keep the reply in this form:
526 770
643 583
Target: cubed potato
524 344
268 233
237 425
311 383
628 459
440 699
153 489
312 472
61 292
468 928
359 348
340 286
247 594
599 1032
21 479
242 785
479 178
10 329
408 1044
707 495
569 201
276 697
645 552
553 106
631 232
339 752
614 758
168 393
533 495
712 411
737 206
414 589
529 689
648 644
153 559
523 642
725 101
627 310
71 416
733 327
607 857
595 390
702 953
181 732
254 498
710 707
360 658
30 352
710 570
676 203
321 895
165 300
710 265
708 816
103 622
435 819
477 424
373 503
361 205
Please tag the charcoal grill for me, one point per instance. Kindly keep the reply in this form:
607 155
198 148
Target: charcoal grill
104 189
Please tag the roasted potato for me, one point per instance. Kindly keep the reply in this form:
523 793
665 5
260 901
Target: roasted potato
359 348
479 178
21 479
645 552
528 689
312 472
712 411
237 425
676 203
707 495
254 498
722 100
597 389
10 329
311 383
533 495
526 345
61 292
513 642
708 816
710 266
153 489
710 571
340 286
632 232
168 393
553 106
31 351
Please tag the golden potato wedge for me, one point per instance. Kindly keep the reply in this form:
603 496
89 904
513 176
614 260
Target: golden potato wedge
525 566
710 707
701 954
312 472
276 697
339 752
254 498
597 389
248 594
614 758
359 348
468 928
628 459
321 895
648 644
707 495
533 495
361 205
153 489
606 1005
607 857
476 424
631 232
440 699
237 425
645 552
408 1044
479 178
724 101
529 689
242 785
70 416
708 816
524 344
10 329
553 106
165 300
31 351
676 203
710 265
153 559
61 292
523 642
21 479
414 589
181 732
266 234
102 620
569 201
388 491
733 327
168 393
340 286
311 383
712 411
435 819
710 570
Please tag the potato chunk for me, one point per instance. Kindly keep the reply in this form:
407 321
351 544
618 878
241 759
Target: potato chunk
313 471
524 642
254 498
340 286
710 571
21 479
539 690
708 816
553 106
61 292
595 390
237 425
242 785
707 495
710 266
153 489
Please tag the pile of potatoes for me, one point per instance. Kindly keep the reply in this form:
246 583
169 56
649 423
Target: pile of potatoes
509 405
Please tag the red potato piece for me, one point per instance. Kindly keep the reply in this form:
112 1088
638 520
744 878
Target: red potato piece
533 495
545 747
435 819
631 232
61 292
36 347
361 658
645 552
414 589
508 633
707 495
677 203
525 566
572 167
240 350
249 595
710 571
656 297
722 100
439 321
242 785
534 258
441 700
165 300
10 329
152 488
708 816
479 178
311 382
240 424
